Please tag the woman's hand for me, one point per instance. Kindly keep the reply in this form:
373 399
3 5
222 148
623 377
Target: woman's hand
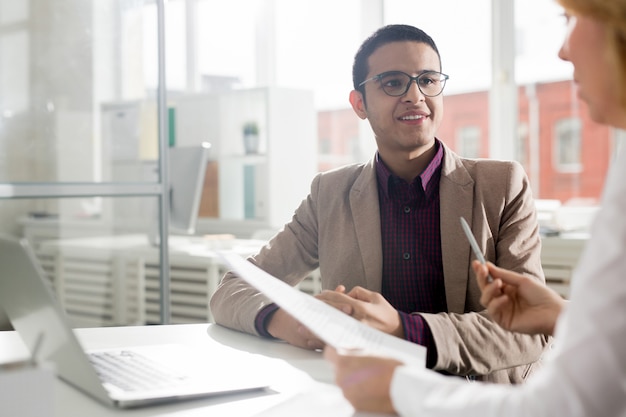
516 302
364 380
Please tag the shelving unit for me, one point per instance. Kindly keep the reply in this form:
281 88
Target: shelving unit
255 190
244 192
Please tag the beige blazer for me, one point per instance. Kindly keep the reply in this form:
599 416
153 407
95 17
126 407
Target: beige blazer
337 228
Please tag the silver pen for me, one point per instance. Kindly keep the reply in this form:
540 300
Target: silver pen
474 245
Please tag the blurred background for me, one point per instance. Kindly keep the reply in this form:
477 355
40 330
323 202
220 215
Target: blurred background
96 96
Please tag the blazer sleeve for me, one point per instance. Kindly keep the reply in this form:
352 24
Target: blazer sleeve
290 255
504 218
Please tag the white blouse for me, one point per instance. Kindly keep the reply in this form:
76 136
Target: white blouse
585 373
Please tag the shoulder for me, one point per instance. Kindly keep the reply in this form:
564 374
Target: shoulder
499 181
345 176
495 169
489 170
490 179
345 171
490 166
466 170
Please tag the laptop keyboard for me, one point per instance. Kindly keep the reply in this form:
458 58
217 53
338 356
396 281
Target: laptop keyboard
131 371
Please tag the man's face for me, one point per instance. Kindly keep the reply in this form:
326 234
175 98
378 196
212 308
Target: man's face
407 123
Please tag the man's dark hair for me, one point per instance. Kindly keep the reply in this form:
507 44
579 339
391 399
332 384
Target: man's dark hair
383 36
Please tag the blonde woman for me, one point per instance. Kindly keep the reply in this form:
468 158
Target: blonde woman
585 373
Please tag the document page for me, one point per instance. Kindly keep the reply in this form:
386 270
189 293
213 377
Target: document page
334 327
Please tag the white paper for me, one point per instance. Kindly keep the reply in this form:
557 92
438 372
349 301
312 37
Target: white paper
334 327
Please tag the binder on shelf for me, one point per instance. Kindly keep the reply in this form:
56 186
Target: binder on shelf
249 191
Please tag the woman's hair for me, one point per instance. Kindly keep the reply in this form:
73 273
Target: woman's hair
613 14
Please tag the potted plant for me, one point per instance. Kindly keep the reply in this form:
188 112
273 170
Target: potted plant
251 137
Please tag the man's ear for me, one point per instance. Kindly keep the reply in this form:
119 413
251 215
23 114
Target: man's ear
358 104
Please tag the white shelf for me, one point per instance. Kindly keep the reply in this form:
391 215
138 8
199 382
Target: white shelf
261 190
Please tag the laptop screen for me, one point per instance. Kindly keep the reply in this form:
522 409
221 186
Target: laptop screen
27 298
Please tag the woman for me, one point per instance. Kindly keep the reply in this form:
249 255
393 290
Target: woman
585 373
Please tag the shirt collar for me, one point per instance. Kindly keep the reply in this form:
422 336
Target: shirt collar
384 174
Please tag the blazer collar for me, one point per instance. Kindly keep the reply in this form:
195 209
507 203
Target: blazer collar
366 214
456 194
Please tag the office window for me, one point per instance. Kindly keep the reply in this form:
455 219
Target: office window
540 29
463 37
468 141
557 127
567 143
619 139
325 146
521 143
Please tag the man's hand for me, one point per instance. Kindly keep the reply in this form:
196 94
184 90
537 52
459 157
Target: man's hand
367 306
516 302
283 326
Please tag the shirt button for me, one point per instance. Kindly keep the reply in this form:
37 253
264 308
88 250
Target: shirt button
407 209
406 255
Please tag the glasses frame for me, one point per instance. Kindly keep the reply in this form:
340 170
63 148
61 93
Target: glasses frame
443 79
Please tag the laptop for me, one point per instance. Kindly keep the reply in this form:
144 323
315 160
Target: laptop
28 300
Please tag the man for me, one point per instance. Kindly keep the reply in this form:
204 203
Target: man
584 375
389 232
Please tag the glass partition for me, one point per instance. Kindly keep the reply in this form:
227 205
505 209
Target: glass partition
74 92
79 122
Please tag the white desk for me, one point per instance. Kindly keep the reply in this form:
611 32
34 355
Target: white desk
304 386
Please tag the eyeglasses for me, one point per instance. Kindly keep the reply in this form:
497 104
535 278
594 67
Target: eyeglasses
397 83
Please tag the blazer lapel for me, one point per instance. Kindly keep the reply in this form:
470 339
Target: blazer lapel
456 192
456 195
366 214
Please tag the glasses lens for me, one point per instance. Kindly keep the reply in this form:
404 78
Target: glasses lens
395 83
431 83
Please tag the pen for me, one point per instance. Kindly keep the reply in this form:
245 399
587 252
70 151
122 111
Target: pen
474 245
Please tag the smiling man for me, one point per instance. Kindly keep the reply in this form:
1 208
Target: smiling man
386 234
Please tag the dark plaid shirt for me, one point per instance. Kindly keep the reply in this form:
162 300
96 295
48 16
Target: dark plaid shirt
412 264
412 278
